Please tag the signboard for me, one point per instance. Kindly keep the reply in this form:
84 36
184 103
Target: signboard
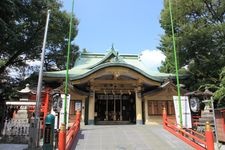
47 135
185 109
61 114
78 105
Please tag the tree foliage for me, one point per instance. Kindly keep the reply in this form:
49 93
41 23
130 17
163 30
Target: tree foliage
200 36
219 95
22 24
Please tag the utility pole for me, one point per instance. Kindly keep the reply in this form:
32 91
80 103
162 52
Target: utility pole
176 65
36 135
62 133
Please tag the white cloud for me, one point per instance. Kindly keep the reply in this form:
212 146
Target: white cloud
33 62
14 72
152 58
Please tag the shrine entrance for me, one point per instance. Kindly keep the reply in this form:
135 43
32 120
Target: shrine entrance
115 109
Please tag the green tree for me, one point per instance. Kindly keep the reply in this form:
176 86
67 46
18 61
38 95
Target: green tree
22 24
200 36
219 95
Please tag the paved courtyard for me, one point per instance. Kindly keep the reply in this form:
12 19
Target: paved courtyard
127 137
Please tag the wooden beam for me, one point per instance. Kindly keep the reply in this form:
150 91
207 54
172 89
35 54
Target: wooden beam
114 82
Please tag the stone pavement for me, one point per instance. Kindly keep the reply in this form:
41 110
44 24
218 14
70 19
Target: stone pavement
13 146
127 137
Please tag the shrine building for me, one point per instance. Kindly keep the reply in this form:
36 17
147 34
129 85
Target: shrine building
114 88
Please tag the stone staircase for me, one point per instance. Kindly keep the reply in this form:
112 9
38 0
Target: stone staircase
113 122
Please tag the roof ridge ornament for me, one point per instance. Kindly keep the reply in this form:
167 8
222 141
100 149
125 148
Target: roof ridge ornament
116 54
117 57
112 48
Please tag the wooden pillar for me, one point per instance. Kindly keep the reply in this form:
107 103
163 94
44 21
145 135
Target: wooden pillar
107 109
82 111
138 106
114 110
91 111
146 112
121 107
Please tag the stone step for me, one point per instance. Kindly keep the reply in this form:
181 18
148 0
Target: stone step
205 120
112 122
206 115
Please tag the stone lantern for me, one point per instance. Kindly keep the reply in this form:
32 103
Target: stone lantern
201 106
17 127
25 93
207 100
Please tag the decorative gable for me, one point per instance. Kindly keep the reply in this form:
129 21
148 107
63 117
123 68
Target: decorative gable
111 57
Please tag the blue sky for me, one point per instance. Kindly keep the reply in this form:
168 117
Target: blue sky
131 25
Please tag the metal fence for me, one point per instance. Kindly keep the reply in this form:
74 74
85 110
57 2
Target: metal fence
15 131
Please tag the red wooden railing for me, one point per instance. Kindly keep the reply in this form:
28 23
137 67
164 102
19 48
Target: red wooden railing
67 140
191 137
72 133
220 123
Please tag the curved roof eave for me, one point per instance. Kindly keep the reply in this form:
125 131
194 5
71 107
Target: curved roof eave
159 79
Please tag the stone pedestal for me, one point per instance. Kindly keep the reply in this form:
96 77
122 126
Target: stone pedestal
206 116
207 113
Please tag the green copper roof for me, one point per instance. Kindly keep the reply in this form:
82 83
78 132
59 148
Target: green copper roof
88 63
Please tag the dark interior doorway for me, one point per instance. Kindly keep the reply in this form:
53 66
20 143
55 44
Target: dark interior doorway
115 109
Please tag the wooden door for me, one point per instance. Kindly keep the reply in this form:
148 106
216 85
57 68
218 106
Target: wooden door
155 107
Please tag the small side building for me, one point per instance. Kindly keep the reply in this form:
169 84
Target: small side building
155 100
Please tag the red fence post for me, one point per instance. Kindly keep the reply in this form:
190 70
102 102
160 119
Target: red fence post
62 138
209 137
46 103
164 117
78 115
